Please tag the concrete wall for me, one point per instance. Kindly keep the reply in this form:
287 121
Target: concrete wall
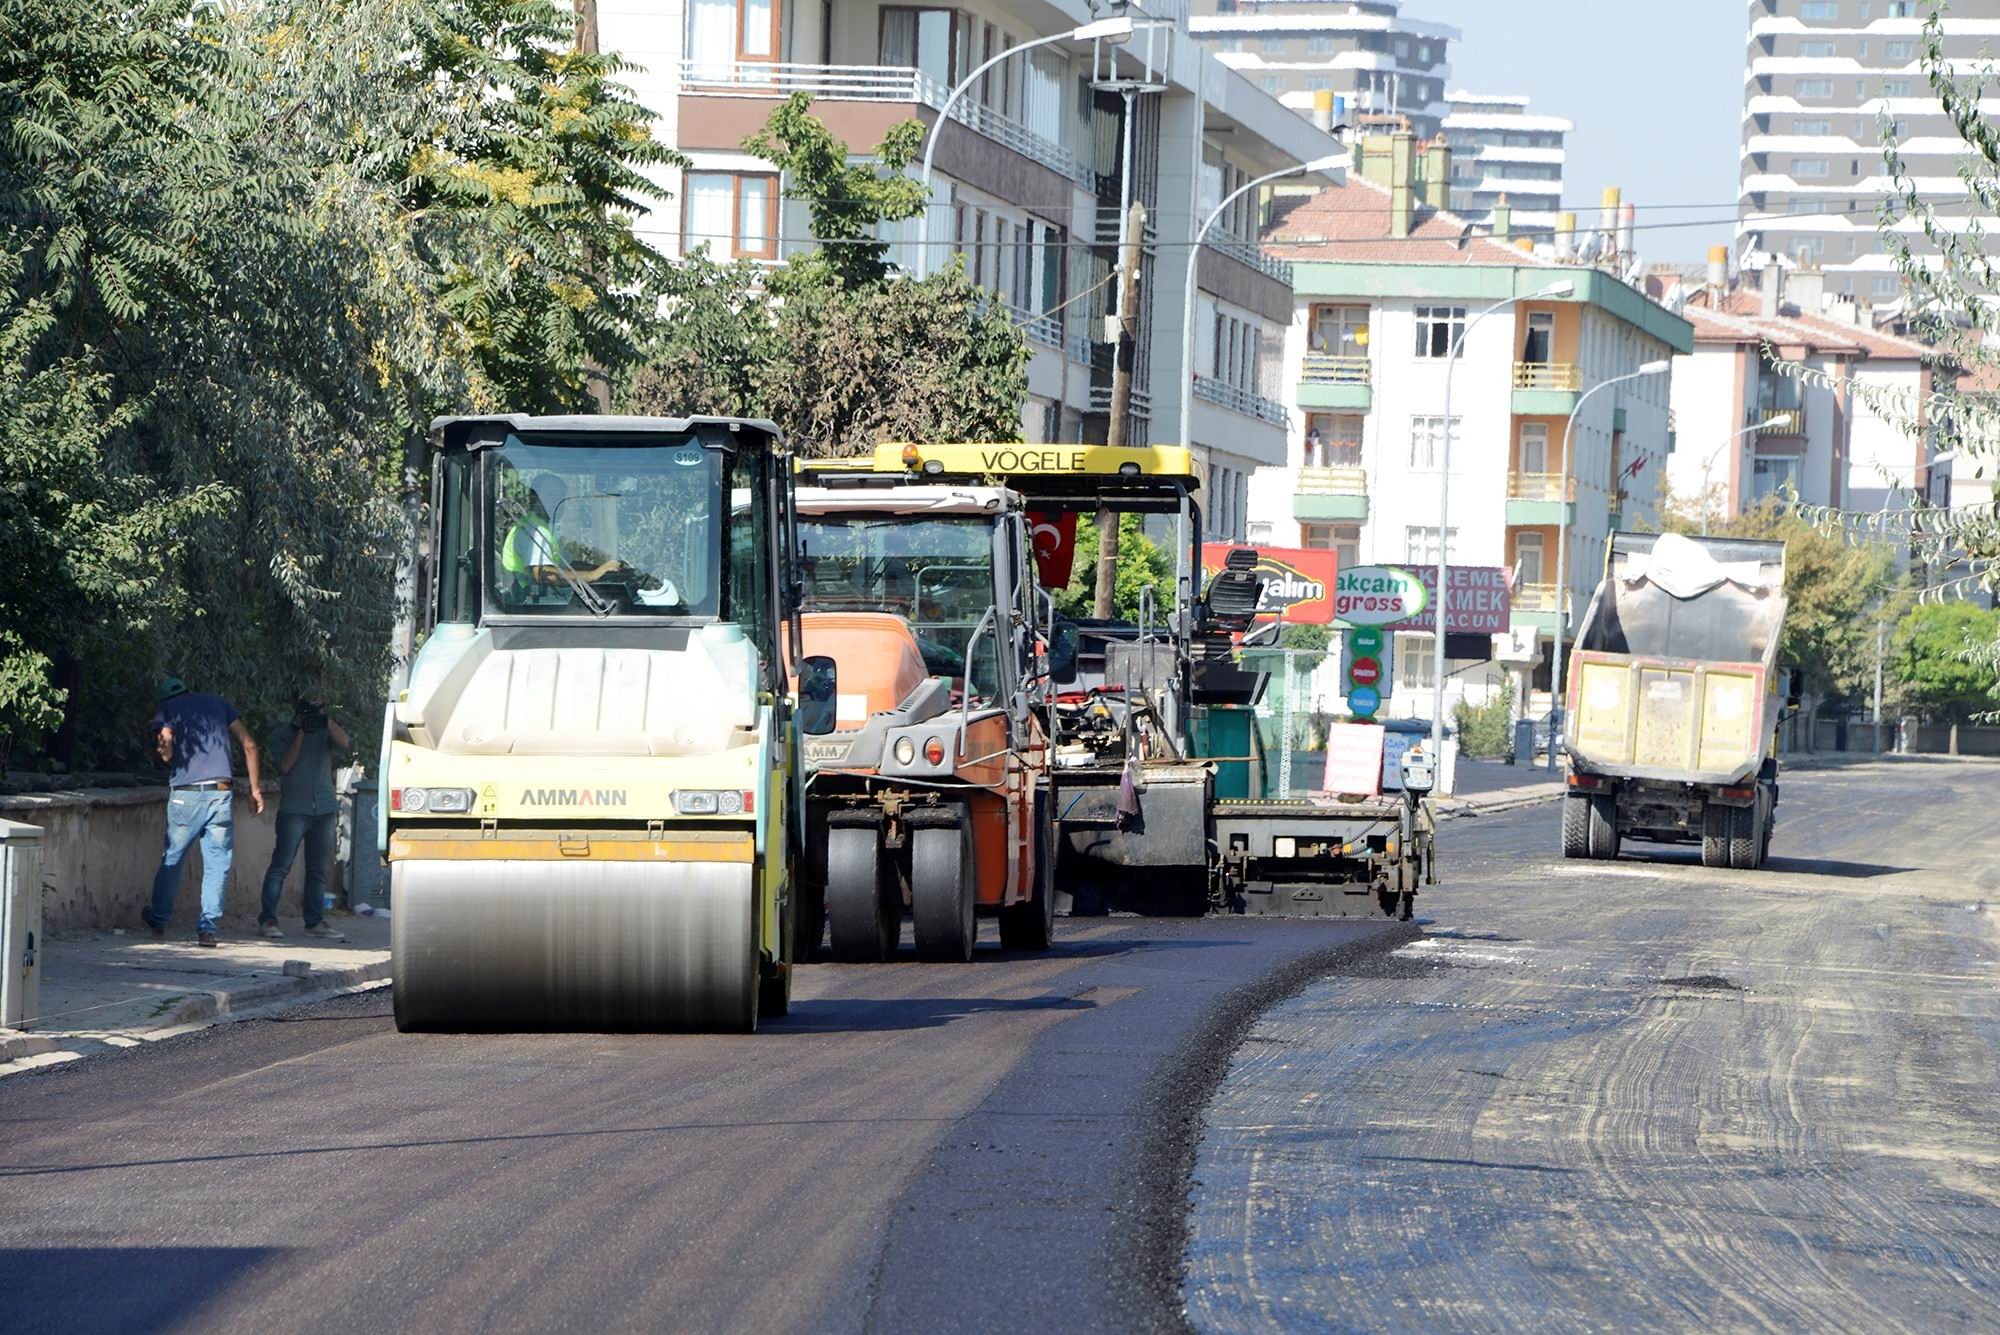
100 848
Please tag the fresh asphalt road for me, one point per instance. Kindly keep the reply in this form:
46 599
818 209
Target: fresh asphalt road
1640 1095
996 1146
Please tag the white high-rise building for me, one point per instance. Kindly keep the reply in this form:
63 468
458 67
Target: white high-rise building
1820 74
1385 68
1502 155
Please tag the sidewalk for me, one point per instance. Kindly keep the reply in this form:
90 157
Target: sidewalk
1486 786
115 989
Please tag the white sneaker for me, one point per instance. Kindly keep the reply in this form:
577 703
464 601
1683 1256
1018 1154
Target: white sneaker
269 931
325 933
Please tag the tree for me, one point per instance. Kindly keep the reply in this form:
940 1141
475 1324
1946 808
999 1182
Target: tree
1940 662
1141 565
836 348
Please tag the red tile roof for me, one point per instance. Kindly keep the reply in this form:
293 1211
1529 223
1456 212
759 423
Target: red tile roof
1738 318
1350 223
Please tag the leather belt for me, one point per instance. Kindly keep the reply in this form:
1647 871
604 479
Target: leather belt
214 785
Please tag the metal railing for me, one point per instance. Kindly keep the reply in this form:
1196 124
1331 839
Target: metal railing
1343 453
1547 375
1324 368
1535 598
1241 400
1793 423
1332 481
872 83
1248 252
1078 348
1540 487
1100 401
1046 330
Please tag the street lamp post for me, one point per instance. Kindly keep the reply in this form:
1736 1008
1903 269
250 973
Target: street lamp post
1776 419
1194 252
1562 287
1562 545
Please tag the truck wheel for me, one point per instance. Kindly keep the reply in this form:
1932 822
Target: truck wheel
864 925
1031 924
1714 835
808 921
1603 821
1745 842
1576 826
1770 824
942 896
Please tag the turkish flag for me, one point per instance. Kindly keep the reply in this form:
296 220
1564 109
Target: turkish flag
1054 536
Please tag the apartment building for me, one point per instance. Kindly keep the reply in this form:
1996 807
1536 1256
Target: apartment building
1029 186
1385 281
1746 433
1386 69
1820 75
1506 164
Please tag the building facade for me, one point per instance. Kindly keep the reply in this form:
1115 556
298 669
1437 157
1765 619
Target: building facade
1382 65
1506 164
1385 281
1820 75
1031 181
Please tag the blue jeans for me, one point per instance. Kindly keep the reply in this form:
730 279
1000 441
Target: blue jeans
316 833
206 814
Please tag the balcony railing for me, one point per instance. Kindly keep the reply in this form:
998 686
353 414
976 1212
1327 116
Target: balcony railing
1547 375
1540 487
1100 401
872 83
1333 454
1334 481
1241 400
1248 252
1323 368
1535 598
1789 421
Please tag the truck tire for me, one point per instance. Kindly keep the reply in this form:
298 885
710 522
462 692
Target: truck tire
1031 924
1746 843
1576 826
1714 835
1603 822
1770 824
865 926
943 898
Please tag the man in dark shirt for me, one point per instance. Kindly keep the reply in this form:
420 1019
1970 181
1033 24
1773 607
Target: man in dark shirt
194 732
307 810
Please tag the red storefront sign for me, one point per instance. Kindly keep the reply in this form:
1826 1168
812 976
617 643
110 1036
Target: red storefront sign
1298 581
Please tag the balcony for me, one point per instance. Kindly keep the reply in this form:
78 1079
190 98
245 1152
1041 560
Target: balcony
769 81
1546 389
1338 493
1535 598
1788 421
1536 499
1241 400
1251 254
1339 383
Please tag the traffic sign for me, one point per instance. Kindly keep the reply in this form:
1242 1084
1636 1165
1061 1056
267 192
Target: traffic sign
1365 640
1364 701
1365 672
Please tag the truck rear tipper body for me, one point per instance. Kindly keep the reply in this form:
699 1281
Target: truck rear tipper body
1674 698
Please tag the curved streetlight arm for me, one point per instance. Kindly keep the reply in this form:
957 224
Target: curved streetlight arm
1562 545
1776 419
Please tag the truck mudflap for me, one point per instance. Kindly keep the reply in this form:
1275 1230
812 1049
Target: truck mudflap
1321 860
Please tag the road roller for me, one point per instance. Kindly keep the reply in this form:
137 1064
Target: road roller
928 793
591 788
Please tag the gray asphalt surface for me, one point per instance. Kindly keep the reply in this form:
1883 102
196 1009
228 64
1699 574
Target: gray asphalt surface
997 1146
1640 1095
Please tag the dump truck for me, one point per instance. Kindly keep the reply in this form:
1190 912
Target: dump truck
1137 822
590 809
1674 698
928 794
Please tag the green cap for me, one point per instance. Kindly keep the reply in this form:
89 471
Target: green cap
171 686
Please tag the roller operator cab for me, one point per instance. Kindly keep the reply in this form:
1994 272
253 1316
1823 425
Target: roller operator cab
927 792
590 809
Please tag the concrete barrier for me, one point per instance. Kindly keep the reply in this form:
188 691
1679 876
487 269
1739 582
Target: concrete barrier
101 846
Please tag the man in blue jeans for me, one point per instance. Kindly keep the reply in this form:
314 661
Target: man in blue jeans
194 732
307 810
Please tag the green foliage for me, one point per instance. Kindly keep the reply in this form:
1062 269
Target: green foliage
847 354
1141 565
1942 663
1315 638
1485 732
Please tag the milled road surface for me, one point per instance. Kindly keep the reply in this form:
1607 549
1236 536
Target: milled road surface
996 1146
1640 1095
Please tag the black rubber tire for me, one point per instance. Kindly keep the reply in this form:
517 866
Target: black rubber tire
808 921
1770 824
865 928
943 903
1576 826
1714 835
1031 924
1745 842
1602 818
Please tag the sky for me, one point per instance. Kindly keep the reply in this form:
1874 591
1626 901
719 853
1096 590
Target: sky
1655 88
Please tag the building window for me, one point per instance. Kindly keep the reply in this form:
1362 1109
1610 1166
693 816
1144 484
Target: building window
1808 167
1898 50
1420 546
1318 83
1885 285
1437 328
1813 128
1528 558
1813 88
1895 87
1532 452
1539 342
1427 440
1770 476
1321 45
1414 663
1333 440
1820 9
1816 50
1340 331
1273 84
720 31
732 214
921 39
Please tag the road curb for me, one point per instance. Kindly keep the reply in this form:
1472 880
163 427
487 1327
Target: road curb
1493 808
199 1007
14 1044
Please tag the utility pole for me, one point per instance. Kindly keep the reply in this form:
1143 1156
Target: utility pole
1878 686
1121 396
